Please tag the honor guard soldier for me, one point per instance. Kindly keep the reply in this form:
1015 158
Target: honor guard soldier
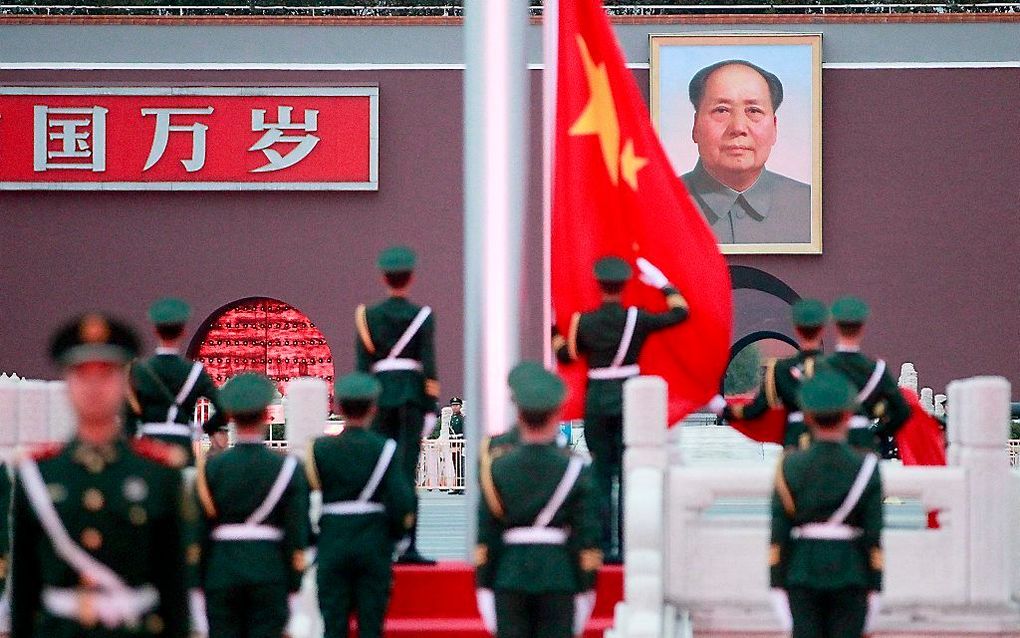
97 521
781 380
367 507
878 396
826 556
612 337
166 386
395 342
255 504
537 524
457 418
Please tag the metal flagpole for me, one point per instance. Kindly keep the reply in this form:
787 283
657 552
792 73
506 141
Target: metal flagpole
550 49
495 178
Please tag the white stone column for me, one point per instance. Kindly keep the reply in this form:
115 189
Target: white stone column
8 416
61 414
979 414
645 464
908 377
33 412
307 411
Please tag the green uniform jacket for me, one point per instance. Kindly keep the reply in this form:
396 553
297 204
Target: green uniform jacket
598 333
154 400
124 507
457 423
516 486
779 387
235 484
810 485
379 329
340 466
886 403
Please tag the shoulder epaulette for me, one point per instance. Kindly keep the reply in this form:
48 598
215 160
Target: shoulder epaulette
162 453
46 451
361 322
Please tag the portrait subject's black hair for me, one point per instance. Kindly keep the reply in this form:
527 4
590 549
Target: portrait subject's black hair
696 89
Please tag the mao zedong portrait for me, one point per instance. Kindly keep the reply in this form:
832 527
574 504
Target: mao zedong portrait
735 128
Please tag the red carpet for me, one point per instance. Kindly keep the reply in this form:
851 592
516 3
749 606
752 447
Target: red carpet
434 602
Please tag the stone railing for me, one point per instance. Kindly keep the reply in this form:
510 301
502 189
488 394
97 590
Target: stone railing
691 573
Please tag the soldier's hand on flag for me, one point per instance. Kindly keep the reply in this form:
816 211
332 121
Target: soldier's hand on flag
650 274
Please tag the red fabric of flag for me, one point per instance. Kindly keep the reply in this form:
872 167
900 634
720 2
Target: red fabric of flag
770 427
920 440
615 193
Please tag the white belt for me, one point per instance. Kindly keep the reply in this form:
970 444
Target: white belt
825 532
857 421
535 536
391 365
165 429
347 508
621 372
795 417
112 608
246 532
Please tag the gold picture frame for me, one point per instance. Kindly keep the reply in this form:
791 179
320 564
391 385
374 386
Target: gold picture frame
756 174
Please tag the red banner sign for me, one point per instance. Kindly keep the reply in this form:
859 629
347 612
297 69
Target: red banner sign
189 138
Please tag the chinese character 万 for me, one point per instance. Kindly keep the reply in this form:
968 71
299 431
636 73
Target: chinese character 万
162 136
274 134
82 139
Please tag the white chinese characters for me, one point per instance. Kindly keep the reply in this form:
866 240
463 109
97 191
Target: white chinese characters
274 134
82 139
162 136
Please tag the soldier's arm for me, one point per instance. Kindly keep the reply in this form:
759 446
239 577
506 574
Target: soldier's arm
892 409
783 509
364 348
676 311
428 364
487 547
871 525
26 581
585 526
567 348
207 389
766 398
170 571
297 528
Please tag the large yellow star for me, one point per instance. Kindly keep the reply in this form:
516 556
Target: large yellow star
599 115
630 164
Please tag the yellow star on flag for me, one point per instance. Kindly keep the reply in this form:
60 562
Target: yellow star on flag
630 164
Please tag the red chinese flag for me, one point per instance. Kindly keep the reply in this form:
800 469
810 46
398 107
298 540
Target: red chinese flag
615 193
770 427
920 439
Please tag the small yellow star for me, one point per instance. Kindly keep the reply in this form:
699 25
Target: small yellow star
630 164
599 115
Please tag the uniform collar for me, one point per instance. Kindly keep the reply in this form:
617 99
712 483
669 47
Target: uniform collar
164 350
93 457
841 348
717 199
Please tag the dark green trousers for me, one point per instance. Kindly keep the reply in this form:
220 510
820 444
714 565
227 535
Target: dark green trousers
357 584
521 615
404 424
247 611
820 613
604 436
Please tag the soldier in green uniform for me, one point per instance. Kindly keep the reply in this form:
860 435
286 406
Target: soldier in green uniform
255 504
457 418
612 337
537 524
782 379
395 342
878 396
166 386
367 506
826 557
97 521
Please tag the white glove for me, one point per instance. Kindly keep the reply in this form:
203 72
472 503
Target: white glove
487 608
717 404
430 424
781 605
650 274
298 624
199 619
584 605
874 607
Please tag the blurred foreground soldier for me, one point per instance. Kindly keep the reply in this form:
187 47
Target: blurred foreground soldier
782 379
826 556
366 507
256 516
166 386
537 525
878 396
395 342
98 520
612 337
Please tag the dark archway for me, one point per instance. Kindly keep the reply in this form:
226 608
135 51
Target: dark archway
753 278
740 346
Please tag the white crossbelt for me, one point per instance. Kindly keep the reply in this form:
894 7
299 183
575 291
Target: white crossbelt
857 421
616 369
182 394
113 609
393 361
363 504
835 528
539 533
253 529
165 429
393 365
869 387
